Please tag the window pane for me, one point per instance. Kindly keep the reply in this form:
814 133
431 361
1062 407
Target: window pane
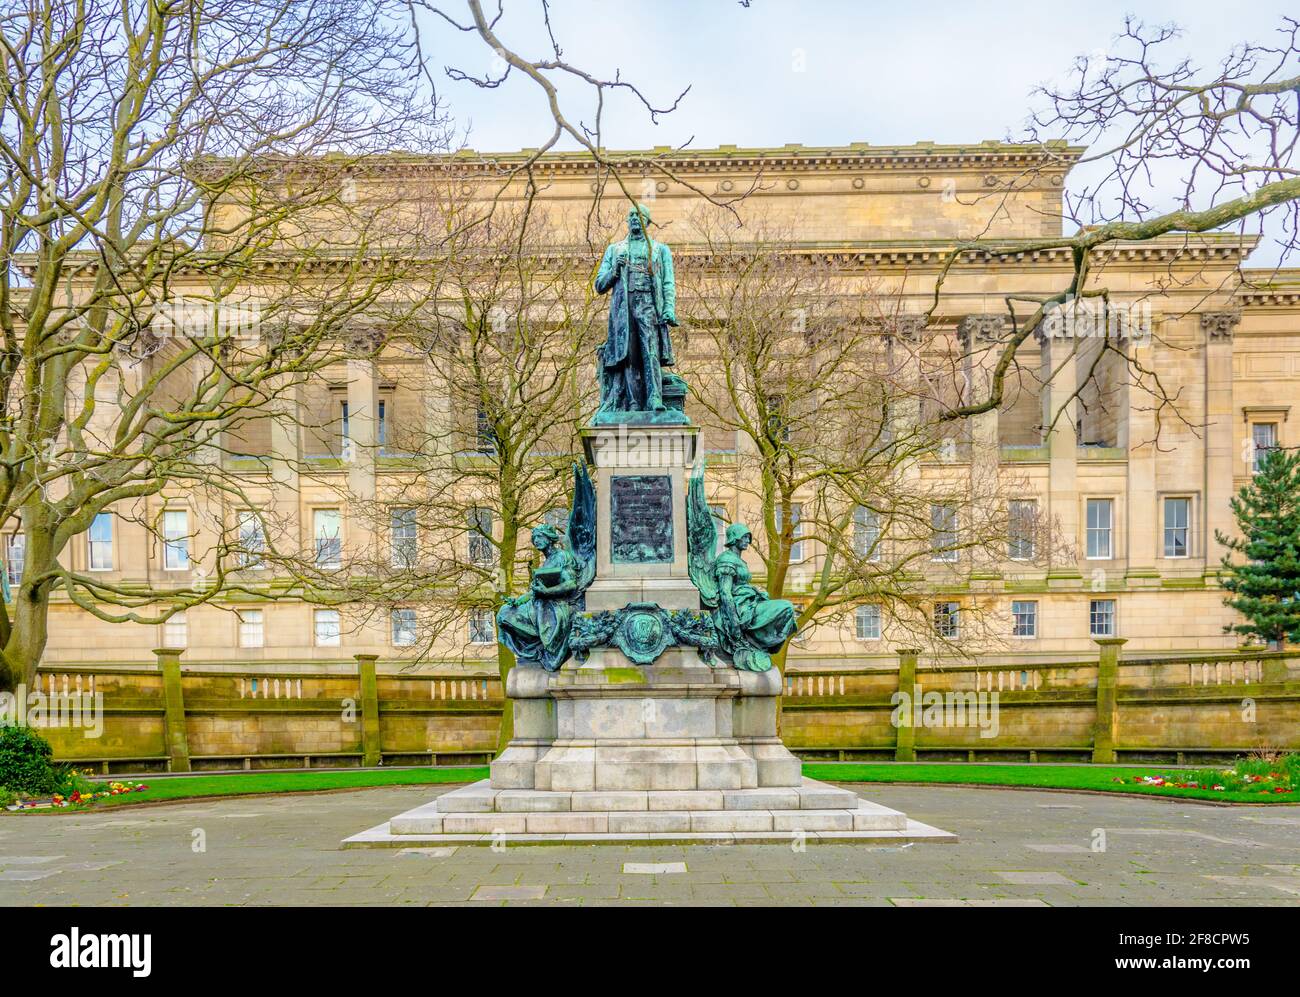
718 513
329 538
403 627
327 627
1022 522
252 540
866 533
482 627
15 556
943 533
403 536
1264 436
251 632
796 529
946 619
1101 617
481 550
176 540
1099 528
101 542
867 620
176 631
1177 513
1024 619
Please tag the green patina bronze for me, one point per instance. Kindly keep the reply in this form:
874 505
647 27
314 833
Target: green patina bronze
643 306
643 631
536 626
750 625
641 518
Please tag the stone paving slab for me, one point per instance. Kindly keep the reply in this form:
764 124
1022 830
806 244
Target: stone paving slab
1157 853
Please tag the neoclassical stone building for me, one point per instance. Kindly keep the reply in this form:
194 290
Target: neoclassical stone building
1136 489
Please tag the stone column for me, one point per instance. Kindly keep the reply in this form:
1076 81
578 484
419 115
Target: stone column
980 337
905 745
1105 731
178 744
361 448
1058 375
371 752
1219 450
1138 437
286 463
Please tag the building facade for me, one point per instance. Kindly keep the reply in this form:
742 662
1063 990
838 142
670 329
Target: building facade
1133 463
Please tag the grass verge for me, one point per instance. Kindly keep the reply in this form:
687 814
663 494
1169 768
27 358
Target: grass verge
1099 778
1096 778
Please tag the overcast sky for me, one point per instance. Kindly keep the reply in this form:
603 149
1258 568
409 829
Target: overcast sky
821 72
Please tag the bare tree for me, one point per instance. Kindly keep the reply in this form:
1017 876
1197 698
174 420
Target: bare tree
827 393
156 178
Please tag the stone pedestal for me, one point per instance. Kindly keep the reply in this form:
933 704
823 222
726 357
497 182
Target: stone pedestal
606 752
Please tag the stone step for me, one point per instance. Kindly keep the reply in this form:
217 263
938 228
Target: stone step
864 817
480 797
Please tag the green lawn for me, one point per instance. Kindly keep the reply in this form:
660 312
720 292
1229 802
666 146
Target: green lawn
1092 777
1089 777
313 780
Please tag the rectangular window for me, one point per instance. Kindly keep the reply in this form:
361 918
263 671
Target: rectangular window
866 621
381 431
403 538
101 542
1100 518
15 556
778 422
1101 617
345 431
326 625
1022 524
947 620
481 552
866 533
1264 437
1177 526
943 533
252 540
482 627
796 530
485 437
327 528
176 539
176 631
251 631
1024 619
719 515
402 622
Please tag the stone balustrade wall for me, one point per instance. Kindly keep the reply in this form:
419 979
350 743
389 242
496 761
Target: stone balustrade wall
182 717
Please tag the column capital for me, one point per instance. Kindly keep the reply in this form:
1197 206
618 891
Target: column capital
1219 326
982 328
908 328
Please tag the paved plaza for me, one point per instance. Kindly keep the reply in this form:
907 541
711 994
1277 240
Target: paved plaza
1017 847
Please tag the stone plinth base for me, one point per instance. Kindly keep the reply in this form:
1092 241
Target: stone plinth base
673 752
480 815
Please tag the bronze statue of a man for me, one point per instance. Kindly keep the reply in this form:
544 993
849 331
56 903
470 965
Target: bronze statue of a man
644 304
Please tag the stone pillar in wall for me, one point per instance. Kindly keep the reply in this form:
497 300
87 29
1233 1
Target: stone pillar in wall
360 451
1058 376
285 515
1138 437
1220 451
981 337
